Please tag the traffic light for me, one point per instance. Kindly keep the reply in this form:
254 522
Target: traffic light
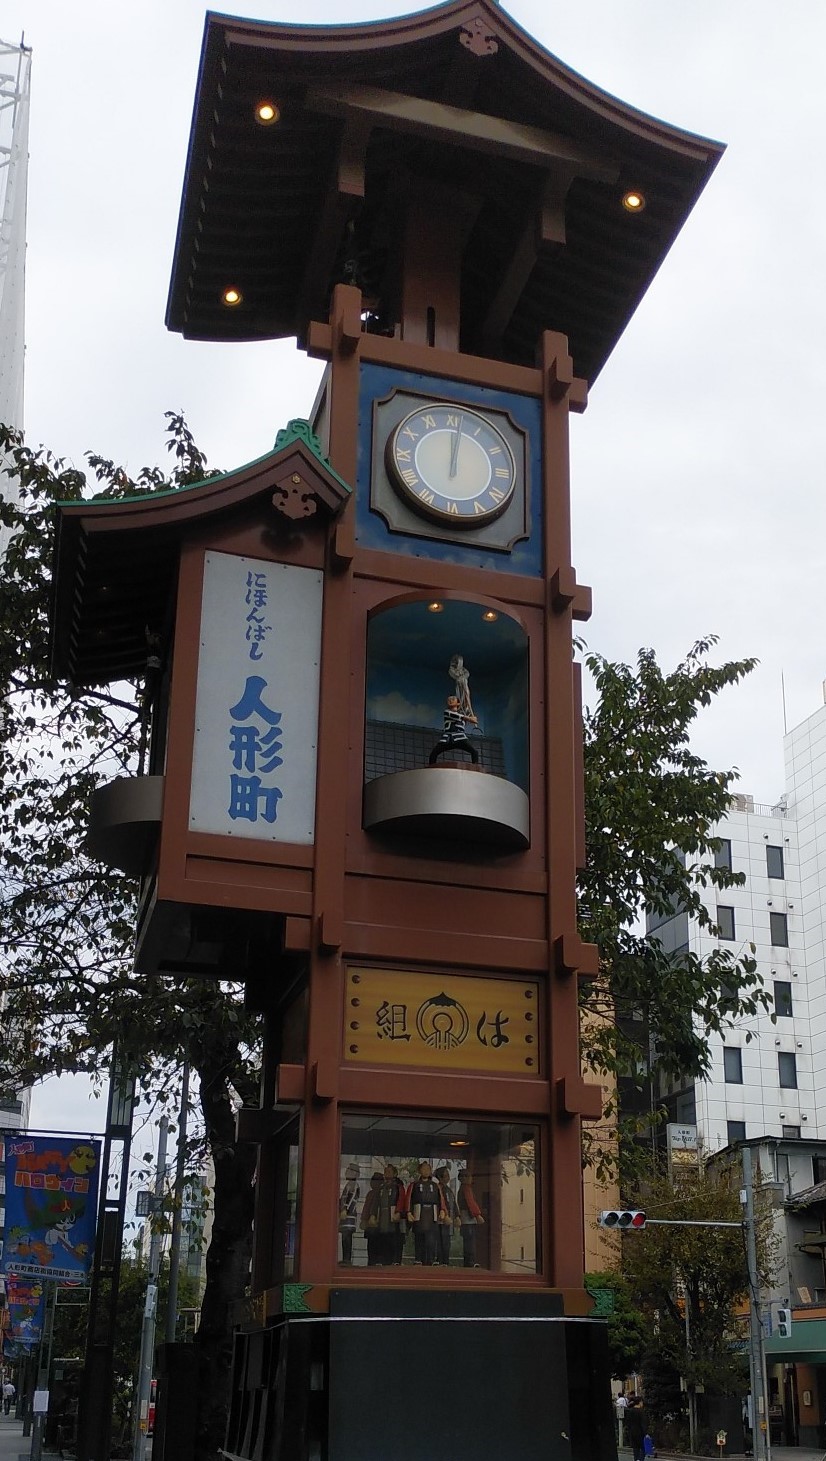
784 1323
622 1218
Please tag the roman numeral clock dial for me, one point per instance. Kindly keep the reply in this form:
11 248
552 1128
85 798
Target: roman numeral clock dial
451 465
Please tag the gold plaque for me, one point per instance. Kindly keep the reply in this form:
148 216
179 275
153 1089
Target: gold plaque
449 1022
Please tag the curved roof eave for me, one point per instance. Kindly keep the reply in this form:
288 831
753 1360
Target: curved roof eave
433 21
115 559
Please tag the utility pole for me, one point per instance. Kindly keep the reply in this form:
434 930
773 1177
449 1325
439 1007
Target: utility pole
150 1308
761 1439
95 1414
177 1211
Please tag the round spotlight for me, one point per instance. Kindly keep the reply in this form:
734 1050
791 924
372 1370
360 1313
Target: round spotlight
436 607
490 616
266 113
633 201
231 297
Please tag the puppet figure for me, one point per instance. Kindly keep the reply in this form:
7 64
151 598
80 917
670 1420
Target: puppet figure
370 1221
348 1211
454 737
470 1216
451 1214
425 1212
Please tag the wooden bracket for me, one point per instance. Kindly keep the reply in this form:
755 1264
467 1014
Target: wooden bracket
561 382
297 935
290 1083
330 931
564 592
252 1125
346 318
573 956
574 1097
324 1081
344 538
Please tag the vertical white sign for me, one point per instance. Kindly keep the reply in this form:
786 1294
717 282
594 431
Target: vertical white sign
256 709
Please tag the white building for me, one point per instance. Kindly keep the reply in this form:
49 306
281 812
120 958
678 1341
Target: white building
767 1078
768 1075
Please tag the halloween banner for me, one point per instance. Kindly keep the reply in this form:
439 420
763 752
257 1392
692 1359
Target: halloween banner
26 1303
51 1207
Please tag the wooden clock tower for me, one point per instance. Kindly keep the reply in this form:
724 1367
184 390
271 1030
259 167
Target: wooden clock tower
365 797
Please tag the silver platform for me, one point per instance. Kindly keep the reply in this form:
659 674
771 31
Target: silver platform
124 820
452 802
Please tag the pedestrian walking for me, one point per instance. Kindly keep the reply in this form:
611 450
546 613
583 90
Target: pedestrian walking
9 1393
636 1427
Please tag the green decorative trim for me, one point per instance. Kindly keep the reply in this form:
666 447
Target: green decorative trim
603 1302
300 430
292 1298
296 430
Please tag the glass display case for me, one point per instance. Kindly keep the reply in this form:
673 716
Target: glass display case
438 1192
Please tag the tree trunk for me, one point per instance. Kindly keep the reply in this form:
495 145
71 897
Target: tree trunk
228 1255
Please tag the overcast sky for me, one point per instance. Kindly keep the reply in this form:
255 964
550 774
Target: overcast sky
698 468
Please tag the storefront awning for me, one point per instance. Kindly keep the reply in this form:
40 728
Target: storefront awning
806 1344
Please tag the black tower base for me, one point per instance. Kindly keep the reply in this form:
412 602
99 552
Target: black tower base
392 1376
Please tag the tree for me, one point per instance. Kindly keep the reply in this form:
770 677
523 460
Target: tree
651 805
691 1282
71 1318
67 924
628 1327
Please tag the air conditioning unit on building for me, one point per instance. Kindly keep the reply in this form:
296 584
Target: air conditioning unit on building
741 802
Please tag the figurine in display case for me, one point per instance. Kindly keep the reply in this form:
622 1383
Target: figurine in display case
393 1198
451 1219
470 1217
370 1221
454 737
348 1204
382 1218
458 714
425 1212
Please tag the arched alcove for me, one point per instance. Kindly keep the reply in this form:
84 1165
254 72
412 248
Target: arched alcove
418 651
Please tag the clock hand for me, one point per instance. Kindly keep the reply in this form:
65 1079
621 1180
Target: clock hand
454 450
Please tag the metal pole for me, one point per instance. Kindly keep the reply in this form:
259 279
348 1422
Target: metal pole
95 1412
177 1212
757 1367
692 1412
144 1387
43 1366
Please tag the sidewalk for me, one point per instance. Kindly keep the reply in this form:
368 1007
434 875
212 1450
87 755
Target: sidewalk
779 1453
12 1441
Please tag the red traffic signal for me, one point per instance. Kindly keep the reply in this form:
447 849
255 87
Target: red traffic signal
623 1218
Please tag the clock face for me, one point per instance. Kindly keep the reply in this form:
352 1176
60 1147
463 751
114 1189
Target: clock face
451 464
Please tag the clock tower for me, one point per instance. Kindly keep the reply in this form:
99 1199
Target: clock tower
367 798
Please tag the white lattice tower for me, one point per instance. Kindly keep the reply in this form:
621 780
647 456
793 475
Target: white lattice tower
15 69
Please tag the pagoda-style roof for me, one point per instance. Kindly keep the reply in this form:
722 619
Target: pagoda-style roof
116 559
459 97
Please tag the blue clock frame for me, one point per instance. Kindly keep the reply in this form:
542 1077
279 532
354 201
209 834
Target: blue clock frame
526 555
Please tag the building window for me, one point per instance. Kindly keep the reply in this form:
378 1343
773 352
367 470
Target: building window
722 857
818 1168
735 1131
783 998
424 1190
787 1069
725 921
779 926
774 862
733 1066
792 1133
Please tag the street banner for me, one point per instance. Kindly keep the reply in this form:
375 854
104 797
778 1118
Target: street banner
51 1207
26 1303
